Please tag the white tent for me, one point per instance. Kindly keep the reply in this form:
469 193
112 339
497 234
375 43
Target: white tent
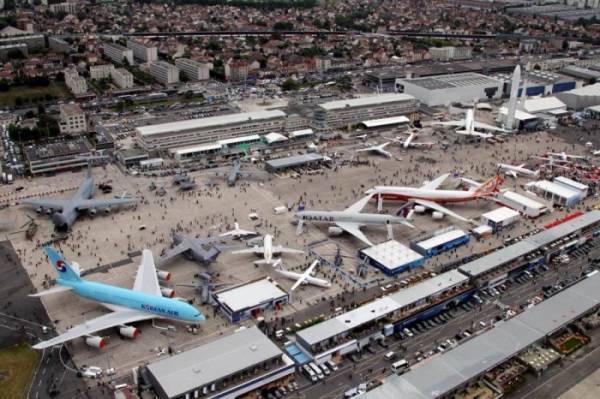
583 97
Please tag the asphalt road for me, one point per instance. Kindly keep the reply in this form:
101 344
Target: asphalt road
372 366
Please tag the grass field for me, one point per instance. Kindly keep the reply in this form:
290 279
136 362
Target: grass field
571 344
17 364
55 89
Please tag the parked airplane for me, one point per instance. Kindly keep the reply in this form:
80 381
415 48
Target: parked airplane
65 211
349 220
514 171
429 196
203 250
267 250
237 232
144 302
410 143
377 149
235 173
301 278
469 124
565 157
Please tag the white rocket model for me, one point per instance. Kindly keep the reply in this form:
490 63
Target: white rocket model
512 103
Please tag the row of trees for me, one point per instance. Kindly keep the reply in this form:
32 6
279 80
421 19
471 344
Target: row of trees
46 127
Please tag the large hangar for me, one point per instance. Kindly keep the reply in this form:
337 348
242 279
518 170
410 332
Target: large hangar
446 89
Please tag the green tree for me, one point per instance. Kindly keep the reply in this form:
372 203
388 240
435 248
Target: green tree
290 85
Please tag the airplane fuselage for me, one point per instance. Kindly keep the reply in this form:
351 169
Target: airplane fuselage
392 193
340 216
519 170
308 280
140 301
64 219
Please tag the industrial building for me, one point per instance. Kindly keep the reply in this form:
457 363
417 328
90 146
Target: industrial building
295 161
580 188
585 74
131 157
227 368
447 89
527 206
557 194
142 52
544 107
441 241
391 257
250 300
500 218
496 267
193 70
353 330
582 97
57 157
468 361
303 134
33 42
208 130
540 83
164 72
118 53
343 113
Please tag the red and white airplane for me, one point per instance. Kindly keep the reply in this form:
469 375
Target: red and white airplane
429 196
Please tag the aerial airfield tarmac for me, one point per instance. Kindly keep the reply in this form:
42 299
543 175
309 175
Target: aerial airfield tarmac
117 238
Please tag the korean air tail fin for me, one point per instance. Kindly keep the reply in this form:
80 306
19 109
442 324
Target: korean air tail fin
64 269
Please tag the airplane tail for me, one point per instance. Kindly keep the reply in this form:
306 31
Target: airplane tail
489 187
62 267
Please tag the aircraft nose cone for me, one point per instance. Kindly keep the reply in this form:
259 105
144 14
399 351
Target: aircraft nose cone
60 222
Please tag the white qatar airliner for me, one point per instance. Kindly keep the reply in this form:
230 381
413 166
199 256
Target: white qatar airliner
514 171
268 250
301 278
429 196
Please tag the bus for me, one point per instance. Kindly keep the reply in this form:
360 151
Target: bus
400 367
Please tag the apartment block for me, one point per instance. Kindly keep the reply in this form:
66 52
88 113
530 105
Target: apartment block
142 52
122 78
193 70
164 72
74 82
118 53
72 119
98 72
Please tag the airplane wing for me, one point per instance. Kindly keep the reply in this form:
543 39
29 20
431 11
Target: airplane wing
353 228
253 250
98 324
450 123
49 203
238 232
53 290
511 173
437 207
430 144
474 134
485 126
278 249
358 205
435 183
99 203
146 279
173 252
306 273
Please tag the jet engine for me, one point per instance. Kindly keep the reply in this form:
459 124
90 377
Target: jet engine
107 209
419 209
335 231
163 275
95 341
93 211
48 211
168 292
437 215
129 332
39 210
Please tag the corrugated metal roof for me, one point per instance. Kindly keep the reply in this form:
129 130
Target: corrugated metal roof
249 295
541 104
443 373
500 214
529 244
380 307
200 366
365 101
192 124
295 160
394 120
441 239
